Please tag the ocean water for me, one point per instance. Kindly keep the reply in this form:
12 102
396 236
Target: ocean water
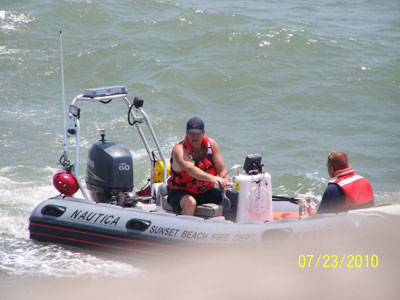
291 80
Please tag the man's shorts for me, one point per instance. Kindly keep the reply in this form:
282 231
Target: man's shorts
213 195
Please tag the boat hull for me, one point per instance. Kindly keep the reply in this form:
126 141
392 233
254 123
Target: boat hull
85 224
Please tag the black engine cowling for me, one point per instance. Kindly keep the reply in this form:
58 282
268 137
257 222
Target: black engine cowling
109 171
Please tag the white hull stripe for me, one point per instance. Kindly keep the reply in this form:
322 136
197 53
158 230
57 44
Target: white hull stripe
349 180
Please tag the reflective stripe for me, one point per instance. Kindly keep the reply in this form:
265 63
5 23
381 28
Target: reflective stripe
344 173
209 150
348 171
349 180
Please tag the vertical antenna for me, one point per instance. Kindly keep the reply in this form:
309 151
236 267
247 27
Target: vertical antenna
63 96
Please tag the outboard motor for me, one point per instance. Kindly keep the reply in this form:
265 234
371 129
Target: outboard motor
109 172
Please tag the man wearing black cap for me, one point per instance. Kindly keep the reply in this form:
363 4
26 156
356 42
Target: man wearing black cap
196 166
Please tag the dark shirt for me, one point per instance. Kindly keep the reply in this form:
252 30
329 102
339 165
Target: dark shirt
332 200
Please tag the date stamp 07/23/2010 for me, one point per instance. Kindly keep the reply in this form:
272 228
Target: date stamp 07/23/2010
334 261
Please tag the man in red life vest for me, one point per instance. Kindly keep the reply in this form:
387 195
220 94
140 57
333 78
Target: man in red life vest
196 166
346 190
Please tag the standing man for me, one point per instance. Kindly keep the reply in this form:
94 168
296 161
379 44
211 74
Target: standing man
196 166
346 190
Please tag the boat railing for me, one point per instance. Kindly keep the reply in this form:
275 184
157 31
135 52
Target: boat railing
235 167
136 116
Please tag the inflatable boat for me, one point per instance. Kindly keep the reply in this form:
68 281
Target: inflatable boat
111 216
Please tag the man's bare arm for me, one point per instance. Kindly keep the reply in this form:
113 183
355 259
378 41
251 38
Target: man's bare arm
218 160
182 162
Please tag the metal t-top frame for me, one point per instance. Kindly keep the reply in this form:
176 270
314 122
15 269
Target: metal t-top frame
137 115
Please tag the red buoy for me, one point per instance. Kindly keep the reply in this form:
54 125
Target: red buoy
65 183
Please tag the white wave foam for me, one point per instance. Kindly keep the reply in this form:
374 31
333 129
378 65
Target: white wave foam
9 20
4 180
315 176
20 256
4 50
18 199
28 258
